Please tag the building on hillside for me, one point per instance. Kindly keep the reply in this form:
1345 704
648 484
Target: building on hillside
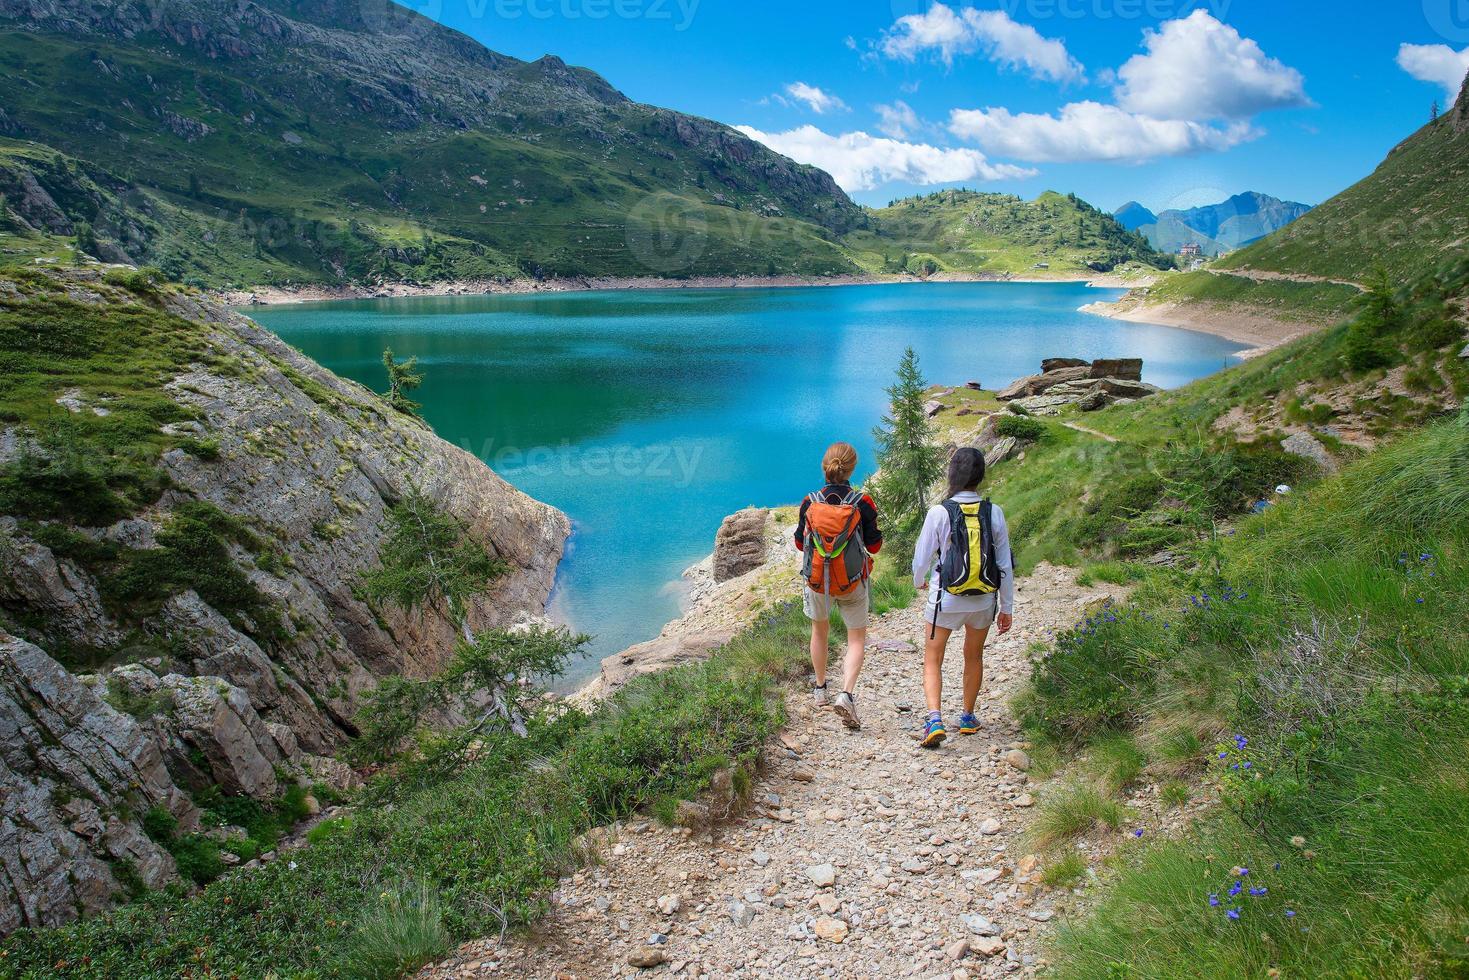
1190 250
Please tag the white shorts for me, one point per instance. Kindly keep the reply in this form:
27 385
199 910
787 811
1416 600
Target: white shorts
976 619
853 607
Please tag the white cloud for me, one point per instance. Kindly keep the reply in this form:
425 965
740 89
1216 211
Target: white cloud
1197 68
897 119
1436 63
1003 40
816 100
1090 131
861 162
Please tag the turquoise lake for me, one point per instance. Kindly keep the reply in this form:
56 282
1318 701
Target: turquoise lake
649 415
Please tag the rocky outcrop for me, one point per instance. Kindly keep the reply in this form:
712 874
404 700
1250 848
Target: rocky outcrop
75 775
306 467
1071 381
716 610
740 544
1307 446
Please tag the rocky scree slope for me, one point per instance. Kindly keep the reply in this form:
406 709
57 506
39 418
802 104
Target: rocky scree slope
187 508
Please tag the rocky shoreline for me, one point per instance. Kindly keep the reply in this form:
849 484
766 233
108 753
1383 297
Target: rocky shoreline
753 567
1261 332
286 295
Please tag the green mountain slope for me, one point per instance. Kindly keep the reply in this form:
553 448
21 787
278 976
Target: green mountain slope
970 231
1170 233
1409 215
281 141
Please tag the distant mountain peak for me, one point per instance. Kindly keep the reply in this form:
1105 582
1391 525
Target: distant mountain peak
1216 228
1133 216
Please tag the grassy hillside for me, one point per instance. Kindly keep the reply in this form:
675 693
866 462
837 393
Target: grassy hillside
230 144
1295 677
427 859
969 231
1321 303
1312 674
1408 216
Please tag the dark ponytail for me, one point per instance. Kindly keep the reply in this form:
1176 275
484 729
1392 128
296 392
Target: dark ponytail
966 470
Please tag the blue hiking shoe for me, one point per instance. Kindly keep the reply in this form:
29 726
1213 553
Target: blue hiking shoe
968 724
933 734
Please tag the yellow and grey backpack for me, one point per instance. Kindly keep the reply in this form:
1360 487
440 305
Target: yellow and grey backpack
969 566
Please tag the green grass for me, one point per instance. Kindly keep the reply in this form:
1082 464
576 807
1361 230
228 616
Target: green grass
892 584
402 930
1330 641
1312 303
1406 216
490 840
1115 760
970 231
1064 871
1071 810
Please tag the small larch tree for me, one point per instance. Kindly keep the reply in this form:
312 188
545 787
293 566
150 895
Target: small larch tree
429 562
909 461
402 379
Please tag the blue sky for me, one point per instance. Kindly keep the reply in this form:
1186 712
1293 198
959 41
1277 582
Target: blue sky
1170 102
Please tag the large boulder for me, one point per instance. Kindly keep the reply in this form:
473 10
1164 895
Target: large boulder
1055 363
1119 388
660 653
740 544
1001 451
215 720
1309 447
1037 384
1045 404
76 775
1127 368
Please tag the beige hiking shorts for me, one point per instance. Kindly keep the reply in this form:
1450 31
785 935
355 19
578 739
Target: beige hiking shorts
853 607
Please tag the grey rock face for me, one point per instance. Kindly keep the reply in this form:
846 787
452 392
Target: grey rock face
311 465
1069 380
740 544
1127 368
67 758
1307 445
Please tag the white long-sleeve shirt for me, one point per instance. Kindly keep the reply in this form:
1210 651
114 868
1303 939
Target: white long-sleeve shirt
933 543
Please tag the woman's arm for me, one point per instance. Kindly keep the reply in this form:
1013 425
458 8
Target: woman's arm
935 530
1003 559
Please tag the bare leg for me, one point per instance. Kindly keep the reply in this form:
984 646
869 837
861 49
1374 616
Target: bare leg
973 665
852 665
933 667
820 631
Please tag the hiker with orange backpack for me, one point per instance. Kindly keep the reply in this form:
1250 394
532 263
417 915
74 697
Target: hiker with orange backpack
838 534
963 559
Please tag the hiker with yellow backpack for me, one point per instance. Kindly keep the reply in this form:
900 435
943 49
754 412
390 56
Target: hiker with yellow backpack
837 533
963 560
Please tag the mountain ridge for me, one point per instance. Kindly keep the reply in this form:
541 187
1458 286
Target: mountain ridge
236 143
1216 228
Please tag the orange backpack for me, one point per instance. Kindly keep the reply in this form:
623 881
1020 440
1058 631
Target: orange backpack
835 560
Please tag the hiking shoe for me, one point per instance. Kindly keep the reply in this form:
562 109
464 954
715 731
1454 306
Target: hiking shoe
846 709
933 734
968 724
818 696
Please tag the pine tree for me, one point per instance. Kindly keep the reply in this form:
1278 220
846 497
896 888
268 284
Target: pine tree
1433 115
909 462
401 380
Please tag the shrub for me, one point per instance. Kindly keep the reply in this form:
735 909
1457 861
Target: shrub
492 836
403 930
1028 429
